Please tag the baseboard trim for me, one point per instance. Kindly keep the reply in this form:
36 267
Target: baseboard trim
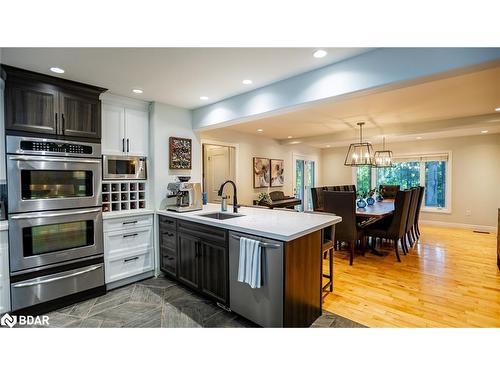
446 224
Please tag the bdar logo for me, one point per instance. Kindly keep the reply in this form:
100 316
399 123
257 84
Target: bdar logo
9 321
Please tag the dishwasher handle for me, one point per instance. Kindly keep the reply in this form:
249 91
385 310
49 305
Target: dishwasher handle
261 244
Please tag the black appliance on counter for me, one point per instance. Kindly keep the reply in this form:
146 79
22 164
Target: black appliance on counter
55 222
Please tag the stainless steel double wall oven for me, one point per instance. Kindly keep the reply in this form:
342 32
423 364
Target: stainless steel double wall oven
55 219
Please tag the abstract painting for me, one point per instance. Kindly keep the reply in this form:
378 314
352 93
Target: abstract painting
261 172
277 173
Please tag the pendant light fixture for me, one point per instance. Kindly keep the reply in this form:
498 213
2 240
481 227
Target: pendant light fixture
383 159
359 153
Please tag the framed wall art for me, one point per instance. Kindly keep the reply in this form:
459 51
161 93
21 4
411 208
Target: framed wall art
261 172
179 153
277 172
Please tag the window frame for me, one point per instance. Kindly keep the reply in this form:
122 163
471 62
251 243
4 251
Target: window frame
418 156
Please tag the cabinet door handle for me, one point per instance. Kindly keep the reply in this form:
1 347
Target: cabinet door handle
129 222
130 259
130 235
169 234
63 123
123 144
128 145
56 121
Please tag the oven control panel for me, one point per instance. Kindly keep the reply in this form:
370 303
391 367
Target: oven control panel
60 147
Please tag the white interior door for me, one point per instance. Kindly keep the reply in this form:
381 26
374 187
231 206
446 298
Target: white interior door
113 129
137 131
219 168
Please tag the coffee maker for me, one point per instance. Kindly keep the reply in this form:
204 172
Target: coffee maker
184 196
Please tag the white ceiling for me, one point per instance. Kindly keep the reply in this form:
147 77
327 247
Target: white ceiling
450 106
177 76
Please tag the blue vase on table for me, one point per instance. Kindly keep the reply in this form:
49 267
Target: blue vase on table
370 201
380 198
361 203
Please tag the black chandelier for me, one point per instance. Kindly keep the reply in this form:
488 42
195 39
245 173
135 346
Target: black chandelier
359 153
382 159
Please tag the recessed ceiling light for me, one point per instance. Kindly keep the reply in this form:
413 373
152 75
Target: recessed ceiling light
484 131
56 69
203 97
289 137
497 109
260 130
320 53
295 142
247 81
327 145
419 138
137 91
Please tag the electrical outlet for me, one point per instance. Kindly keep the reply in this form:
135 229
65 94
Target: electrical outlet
468 212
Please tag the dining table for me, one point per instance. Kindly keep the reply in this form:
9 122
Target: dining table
376 211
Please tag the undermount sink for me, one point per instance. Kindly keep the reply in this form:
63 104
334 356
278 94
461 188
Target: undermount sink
220 215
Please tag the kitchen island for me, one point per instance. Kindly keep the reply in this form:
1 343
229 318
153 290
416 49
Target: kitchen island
202 253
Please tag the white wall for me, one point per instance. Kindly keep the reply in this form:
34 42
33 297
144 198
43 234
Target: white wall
475 175
169 121
250 146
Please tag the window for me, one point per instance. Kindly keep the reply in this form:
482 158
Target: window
363 179
431 171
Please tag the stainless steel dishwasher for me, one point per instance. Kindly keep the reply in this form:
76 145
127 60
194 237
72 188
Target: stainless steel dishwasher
264 305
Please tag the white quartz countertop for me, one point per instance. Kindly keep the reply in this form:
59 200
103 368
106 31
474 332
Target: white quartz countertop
275 224
4 225
127 213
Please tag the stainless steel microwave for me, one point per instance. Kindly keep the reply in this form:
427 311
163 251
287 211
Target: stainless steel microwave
123 167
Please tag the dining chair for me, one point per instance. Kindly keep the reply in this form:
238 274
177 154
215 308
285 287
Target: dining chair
417 214
343 204
394 227
389 191
415 192
317 198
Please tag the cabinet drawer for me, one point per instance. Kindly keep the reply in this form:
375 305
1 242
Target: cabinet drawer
168 261
120 243
168 238
206 232
126 223
121 268
167 223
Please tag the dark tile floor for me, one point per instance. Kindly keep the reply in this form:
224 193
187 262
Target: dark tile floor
159 302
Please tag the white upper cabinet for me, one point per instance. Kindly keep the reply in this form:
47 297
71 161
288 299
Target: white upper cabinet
137 131
113 129
125 126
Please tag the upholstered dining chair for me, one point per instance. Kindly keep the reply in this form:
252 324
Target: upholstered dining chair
343 204
417 215
317 198
393 227
409 240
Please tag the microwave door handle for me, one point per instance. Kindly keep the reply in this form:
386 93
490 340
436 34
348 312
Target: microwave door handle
60 160
55 214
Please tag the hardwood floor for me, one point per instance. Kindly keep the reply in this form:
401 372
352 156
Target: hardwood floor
449 279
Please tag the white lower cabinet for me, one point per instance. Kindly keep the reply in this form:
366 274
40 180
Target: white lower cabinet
128 249
4 272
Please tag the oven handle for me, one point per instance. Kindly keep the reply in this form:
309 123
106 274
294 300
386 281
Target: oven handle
61 160
31 283
42 215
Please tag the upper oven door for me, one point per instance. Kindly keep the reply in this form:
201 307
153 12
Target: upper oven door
39 183
40 239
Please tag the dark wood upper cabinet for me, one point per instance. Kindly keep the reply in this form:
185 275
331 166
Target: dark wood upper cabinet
80 116
41 104
31 107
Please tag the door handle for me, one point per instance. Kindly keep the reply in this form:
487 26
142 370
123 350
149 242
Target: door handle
63 123
31 283
57 214
128 145
58 160
56 121
123 144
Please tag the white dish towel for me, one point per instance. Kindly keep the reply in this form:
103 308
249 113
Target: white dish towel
250 264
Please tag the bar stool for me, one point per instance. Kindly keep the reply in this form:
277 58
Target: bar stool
327 246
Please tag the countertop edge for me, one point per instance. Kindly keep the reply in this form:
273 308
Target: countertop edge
120 214
225 225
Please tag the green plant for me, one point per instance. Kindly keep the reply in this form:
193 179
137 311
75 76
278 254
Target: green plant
362 194
264 197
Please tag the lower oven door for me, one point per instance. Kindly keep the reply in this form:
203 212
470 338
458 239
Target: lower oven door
42 239
41 183
46 288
